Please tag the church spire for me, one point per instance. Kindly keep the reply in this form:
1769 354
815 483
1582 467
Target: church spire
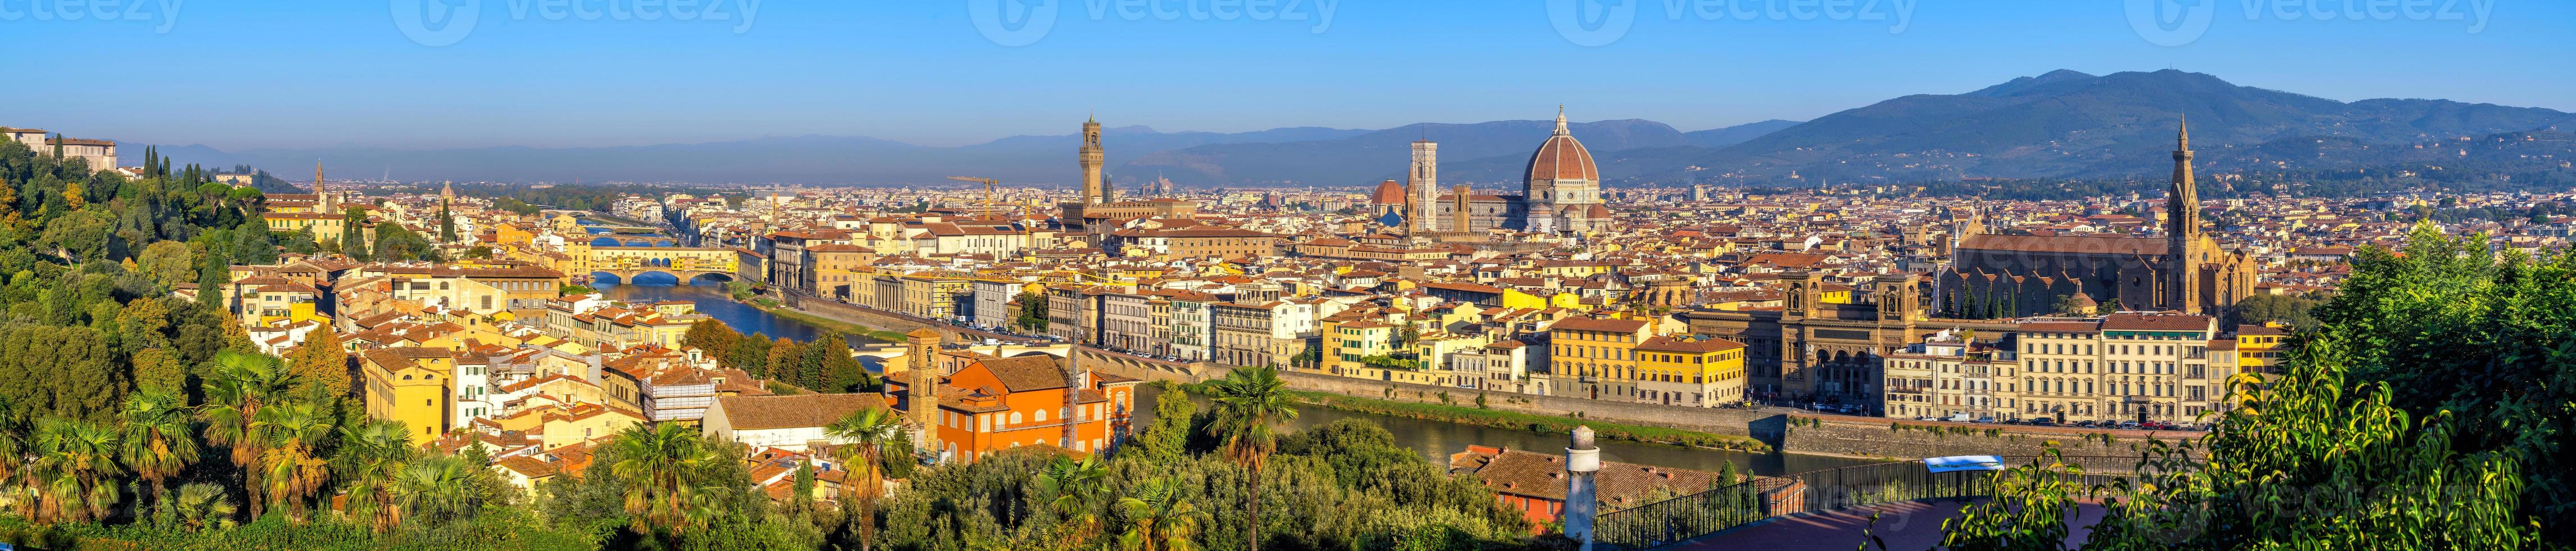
317 177
2182 135
1560 121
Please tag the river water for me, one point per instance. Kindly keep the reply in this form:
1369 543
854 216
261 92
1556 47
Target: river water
1434 440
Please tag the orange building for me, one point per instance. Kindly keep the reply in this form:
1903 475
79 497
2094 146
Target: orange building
994 404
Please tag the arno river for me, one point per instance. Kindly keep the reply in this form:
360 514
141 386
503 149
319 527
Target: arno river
1434 440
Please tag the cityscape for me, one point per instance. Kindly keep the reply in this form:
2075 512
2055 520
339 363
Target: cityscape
2065 310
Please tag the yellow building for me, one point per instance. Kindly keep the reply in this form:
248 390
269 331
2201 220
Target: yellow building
1353 341
1597 358
410 386
1690 371
2258 349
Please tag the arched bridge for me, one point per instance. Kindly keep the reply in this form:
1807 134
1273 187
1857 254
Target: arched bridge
685 263
635 240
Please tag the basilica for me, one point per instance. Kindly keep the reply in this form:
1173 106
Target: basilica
1997 275
1560 193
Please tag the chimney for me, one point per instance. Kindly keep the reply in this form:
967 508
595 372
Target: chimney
1582 459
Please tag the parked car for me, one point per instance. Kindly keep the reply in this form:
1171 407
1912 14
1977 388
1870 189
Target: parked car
1986 419
2084 424
2043 422
2129 425
1926 418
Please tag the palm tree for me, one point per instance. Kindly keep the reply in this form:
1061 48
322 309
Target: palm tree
1074 484
1159 518
866 430
236 389
441 489
663 466
12 441
290 436
157 440
372 453
76 458
1247 401
202 505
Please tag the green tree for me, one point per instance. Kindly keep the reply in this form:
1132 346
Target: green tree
237 388
370 460
159 439
1033 312
444 489
202 506
1073 487
291 437
253 244
353 236
662 471
1167 440
2257 309
76 462
446 224
1247 401
168 263
866 432
1159 518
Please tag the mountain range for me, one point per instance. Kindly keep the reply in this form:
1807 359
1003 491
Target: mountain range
2059 124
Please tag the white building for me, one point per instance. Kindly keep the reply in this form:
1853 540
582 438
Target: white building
786 422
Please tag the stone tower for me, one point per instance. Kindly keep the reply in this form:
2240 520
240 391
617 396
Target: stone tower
2182 230
1459 202
1094 190
322 198
1423 188
921 354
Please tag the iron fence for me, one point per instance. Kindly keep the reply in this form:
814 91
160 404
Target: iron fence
1682 518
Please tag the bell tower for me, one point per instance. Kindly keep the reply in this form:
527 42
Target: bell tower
1094 188
2182 230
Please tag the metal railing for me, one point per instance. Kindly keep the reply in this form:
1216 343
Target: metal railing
1683 518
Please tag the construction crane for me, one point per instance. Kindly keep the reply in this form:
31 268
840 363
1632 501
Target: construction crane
988 190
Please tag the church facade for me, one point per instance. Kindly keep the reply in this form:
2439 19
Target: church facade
1997 276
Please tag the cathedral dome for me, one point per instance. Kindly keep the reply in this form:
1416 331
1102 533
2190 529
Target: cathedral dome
1562 157
1388 193
1598 212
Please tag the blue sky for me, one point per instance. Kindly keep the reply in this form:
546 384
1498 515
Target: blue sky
238 74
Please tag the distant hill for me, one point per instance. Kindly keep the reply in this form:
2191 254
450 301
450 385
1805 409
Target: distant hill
814 159
2071 124
2062 124
1737 134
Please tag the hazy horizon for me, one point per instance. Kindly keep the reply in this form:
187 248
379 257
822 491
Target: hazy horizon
475 73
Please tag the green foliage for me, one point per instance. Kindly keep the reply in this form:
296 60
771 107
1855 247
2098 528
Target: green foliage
2490 339
2255 310
1340 486
1531 422
2424 412
1033 312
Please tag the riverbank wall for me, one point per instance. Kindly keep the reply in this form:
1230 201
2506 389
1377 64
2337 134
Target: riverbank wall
1870 437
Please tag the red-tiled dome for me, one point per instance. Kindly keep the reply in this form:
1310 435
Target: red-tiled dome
1562 158
1388 193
